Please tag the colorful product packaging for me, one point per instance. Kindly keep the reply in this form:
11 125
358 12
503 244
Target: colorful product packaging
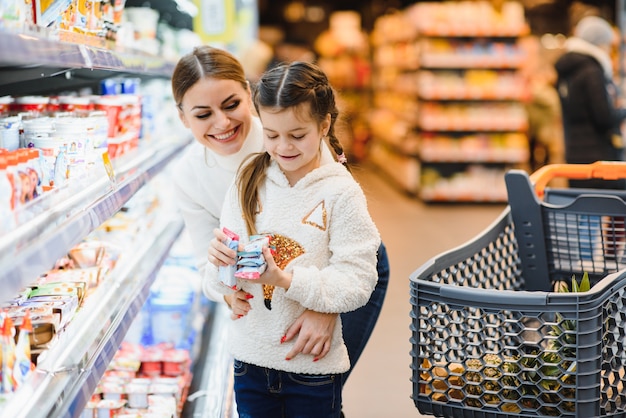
227 273
8 356
251 263
23 365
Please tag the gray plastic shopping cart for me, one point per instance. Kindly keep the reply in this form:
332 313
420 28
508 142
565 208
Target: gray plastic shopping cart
490 335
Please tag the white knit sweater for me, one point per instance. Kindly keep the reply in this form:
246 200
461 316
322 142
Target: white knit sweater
325 213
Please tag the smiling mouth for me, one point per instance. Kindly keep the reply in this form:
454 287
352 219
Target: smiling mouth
226 135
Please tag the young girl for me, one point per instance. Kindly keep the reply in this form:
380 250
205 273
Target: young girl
326 245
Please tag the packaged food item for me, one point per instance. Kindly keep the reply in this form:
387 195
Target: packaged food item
10 132
37 105
137 395
112 390
227 273
109 408
8 220
23 365
176 362
63 305
251 263
9 384
60 288
44 321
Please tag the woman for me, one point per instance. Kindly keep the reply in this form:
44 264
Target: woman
214 102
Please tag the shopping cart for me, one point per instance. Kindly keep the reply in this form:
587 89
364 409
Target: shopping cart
490 337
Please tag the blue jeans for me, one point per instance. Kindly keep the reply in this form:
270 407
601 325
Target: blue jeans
358 325
267 393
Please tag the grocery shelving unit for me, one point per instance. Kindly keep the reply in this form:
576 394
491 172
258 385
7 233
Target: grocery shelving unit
449 118
48 227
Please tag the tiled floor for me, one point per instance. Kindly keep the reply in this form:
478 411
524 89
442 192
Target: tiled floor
413 232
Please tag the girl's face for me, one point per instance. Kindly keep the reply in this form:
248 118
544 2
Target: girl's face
292 138
218 113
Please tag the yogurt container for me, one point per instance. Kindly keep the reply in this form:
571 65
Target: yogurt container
10 133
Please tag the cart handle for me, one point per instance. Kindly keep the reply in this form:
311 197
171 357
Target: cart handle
606 170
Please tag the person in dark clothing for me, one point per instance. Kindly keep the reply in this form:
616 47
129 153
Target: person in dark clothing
591 119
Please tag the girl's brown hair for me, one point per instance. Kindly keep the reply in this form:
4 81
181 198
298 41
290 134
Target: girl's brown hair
285 86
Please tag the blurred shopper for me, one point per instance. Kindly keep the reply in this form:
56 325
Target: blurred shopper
214 102
591 119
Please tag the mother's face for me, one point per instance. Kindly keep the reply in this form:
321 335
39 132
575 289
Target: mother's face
218 113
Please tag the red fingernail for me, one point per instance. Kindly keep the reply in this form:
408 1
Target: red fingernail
316 358
287 358
249 296
283 338
239 316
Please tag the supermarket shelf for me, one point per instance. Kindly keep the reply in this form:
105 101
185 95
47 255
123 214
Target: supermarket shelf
32 61
402 171
70 370
65 217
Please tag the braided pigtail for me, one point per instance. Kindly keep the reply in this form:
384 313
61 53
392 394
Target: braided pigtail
334 142
250 178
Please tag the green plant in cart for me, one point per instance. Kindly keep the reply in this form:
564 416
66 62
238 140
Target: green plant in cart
549 376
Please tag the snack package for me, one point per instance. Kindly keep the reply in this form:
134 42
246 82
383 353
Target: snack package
23 365
251 263
227 273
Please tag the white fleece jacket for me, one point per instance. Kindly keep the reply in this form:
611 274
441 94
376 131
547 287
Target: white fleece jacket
325 213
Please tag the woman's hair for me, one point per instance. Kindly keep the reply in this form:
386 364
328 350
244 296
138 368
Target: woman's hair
282 87
205 61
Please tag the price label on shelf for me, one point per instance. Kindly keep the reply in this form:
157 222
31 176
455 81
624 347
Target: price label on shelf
108 166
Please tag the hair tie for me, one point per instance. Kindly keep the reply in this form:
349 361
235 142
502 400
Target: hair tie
342 158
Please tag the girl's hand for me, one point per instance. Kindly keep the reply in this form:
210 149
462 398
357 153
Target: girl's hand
238 303
272 275
314 333
219 253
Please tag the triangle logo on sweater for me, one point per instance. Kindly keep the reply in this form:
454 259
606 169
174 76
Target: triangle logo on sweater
317 216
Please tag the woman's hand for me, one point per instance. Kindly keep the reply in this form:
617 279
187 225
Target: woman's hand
219 253
238 303
314 333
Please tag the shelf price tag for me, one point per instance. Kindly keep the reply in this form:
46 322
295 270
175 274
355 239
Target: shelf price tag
108 166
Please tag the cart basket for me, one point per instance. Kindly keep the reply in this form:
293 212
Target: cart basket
489 336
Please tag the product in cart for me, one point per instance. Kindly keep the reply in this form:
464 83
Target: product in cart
493 333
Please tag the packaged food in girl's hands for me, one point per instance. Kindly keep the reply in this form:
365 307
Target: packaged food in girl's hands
251 263
250 273
227 273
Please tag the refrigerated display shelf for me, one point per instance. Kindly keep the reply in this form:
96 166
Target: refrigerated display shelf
70 370
35 61
34 246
